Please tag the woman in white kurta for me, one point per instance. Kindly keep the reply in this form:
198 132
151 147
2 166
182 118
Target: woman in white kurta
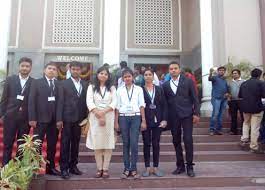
101 102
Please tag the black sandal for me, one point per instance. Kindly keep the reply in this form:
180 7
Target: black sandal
99 174
135 175
125 174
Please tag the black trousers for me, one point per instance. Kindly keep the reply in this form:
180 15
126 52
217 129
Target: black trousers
234 108
14 128
51 132
151 136
70 139
185 125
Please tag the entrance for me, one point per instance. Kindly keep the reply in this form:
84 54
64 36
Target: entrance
64 70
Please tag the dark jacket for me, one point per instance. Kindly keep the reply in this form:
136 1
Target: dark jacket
71 107
10 105
251 92
40 109
161 106
185 102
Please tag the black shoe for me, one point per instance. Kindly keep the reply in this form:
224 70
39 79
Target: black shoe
232 133
65 174
179 170
52 171
190 171
75 171
218 133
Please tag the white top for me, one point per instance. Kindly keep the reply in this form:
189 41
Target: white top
130 101
120 82
23 80
78 85
156 80
174 84
68 74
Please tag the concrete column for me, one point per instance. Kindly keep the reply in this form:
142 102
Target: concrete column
112 32
262 22
206 53
5 14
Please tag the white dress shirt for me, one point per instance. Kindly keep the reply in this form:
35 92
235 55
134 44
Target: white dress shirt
174 84
23 80
78 85
137 99
48 80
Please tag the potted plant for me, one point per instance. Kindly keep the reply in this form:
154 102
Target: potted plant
19 172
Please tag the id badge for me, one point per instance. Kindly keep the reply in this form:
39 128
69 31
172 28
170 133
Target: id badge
51 99
19 97
152 106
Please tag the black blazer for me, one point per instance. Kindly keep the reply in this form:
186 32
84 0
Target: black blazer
10 105
161 106
71 107
251 92
185 102
40 109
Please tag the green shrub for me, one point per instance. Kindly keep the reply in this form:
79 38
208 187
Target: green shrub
19 172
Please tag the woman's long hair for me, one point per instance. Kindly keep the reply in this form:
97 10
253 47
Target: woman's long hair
96 82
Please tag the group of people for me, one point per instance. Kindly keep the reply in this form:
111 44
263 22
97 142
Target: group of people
50 106
242 96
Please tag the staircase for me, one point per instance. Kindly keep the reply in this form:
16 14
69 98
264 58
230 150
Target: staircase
220 164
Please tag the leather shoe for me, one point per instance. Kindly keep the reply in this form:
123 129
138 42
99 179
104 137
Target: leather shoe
179 170
52 171
75 171
190 171
65 174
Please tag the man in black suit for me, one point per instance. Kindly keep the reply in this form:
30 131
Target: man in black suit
251 92
183 111
71 111
42 112
14 107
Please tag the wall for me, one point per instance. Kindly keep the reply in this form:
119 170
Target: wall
242 30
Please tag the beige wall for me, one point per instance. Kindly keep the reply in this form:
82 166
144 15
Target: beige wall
242 30
191 35
31 24
14 23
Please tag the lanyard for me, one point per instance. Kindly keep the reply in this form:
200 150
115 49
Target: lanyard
151 96
102 96
174 83
129 97
23 88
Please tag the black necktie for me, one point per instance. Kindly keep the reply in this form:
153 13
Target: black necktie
51 87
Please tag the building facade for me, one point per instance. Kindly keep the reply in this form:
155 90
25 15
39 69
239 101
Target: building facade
199 33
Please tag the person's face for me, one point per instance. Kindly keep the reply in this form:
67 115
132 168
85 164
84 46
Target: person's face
235 75
174 70
142 69
148 76
103 76
221 72
50 71
75 71
127 78
24 68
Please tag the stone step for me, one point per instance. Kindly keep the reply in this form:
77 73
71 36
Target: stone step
196 138
208 174
220 146
199 156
